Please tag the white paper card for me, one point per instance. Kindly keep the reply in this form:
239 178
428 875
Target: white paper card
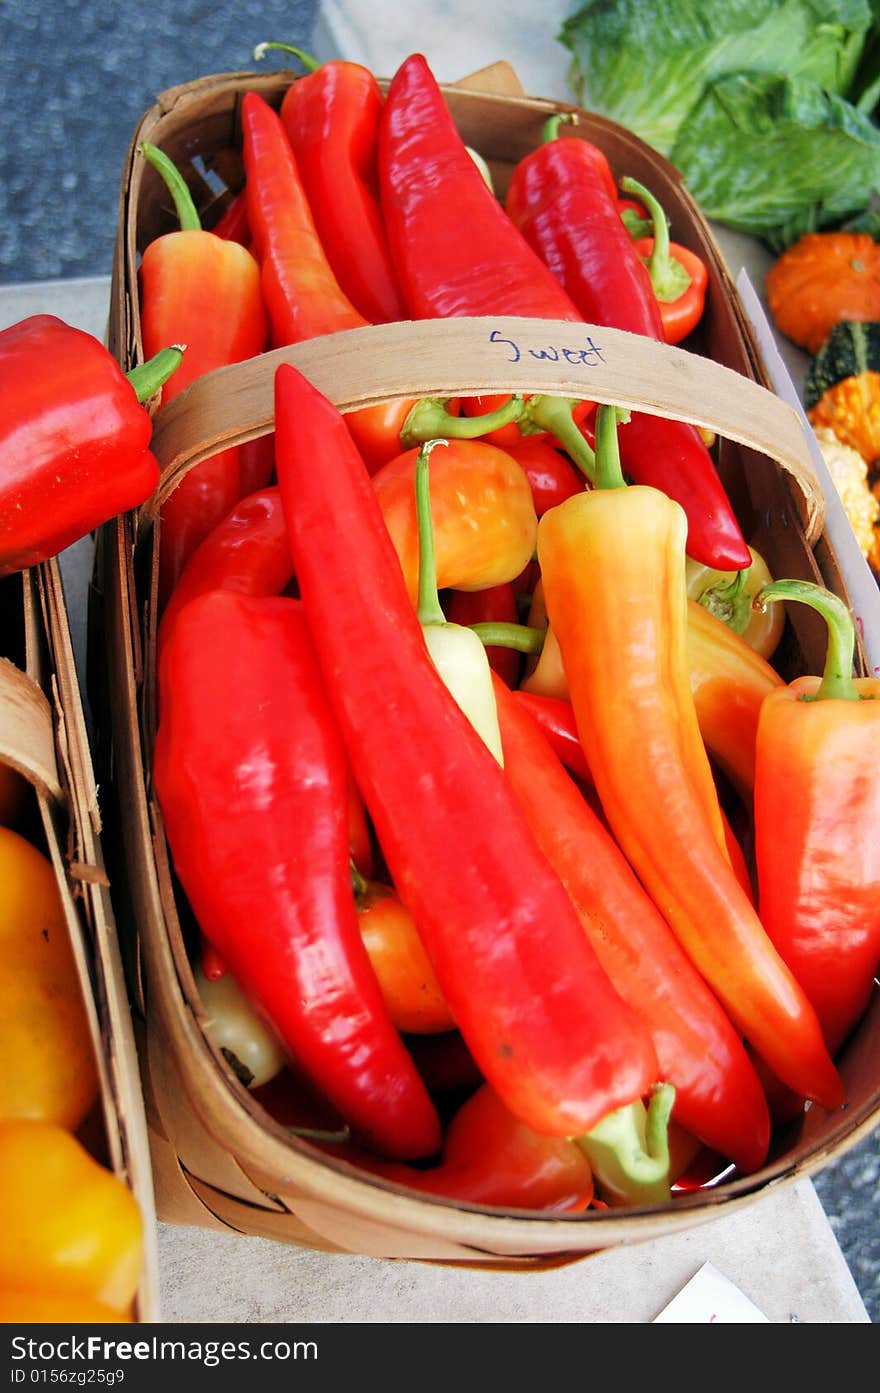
710 1298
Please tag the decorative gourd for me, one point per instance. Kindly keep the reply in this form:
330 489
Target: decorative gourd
823 278
842 387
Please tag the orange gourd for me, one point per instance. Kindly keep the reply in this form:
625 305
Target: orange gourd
820 279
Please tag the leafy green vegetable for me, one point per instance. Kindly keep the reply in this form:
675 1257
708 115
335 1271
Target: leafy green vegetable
647 64
766 106
777 157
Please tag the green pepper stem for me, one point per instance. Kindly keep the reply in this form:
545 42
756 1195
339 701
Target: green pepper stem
498 633
550 128
148 377
729 600
629 1151
185 208
609 471
359 883
668 277
310 64
554 415
429 419
429 608
837 680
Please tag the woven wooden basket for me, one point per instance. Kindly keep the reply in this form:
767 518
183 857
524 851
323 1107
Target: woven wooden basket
43 735
219 1159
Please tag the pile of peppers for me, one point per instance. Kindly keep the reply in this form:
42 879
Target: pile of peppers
507 845
470 741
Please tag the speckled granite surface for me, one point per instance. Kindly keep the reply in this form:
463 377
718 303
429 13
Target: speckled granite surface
76 78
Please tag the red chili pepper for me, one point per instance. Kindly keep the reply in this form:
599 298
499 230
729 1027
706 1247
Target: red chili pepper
535 1008
491 1158
554 718
74 437
233 226
627 670
497 603
565 211
251 775
817 822
455 251
201 290
302 295
331 116
718 1096
679 277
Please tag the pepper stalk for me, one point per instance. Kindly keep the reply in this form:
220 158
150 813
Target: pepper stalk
629 1151
456 651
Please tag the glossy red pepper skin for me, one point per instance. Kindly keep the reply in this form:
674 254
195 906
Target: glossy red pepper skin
491 1158
524 986
552 476
332 121
564 209
455 251
302 295
246 551
718 1096
233 225
251 777
554 718
75 440
817 843
204 291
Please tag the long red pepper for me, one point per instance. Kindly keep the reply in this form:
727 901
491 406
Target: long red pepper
302 295
455 251
251 776
817 821
523 983
718 1096
613 569
204 291
331 116
559 199
74 437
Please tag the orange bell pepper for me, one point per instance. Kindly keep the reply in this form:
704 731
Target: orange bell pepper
47 1058
613 567
72 1231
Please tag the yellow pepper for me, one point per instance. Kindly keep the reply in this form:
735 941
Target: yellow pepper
47 1059
729 594
71 1231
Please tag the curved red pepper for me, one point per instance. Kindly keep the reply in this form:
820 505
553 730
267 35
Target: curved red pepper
526 989
565 211
491 1158
455 251
331 117
302 295
817 823
718 1096
251 775
74 440
202 290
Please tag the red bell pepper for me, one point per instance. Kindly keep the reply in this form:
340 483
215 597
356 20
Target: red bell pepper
817 821
564 209
718 1096
202 290
613 570
455 251
526 989
302 295
679 277
331 116
74 437
550 473
251 776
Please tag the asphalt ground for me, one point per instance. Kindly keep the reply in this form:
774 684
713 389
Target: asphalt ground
75 79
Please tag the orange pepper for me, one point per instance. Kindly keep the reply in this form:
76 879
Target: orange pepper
71 1230
482 512
398 957
47 1059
